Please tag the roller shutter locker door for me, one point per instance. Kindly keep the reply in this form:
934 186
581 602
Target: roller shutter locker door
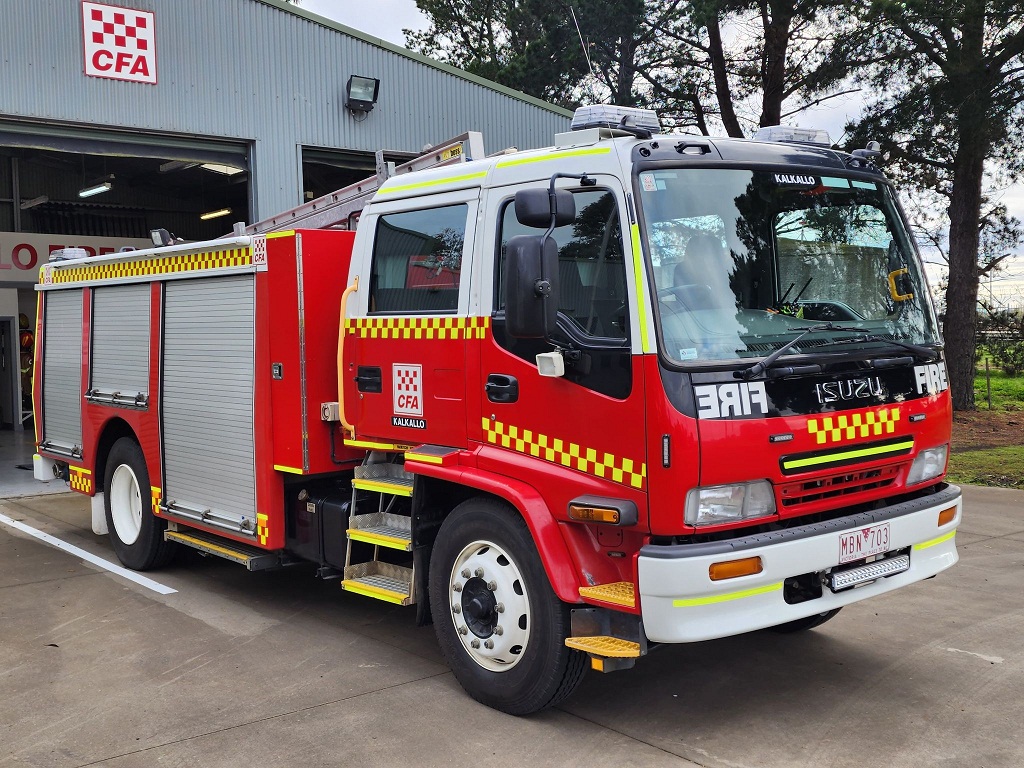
120 340
207 396
62 369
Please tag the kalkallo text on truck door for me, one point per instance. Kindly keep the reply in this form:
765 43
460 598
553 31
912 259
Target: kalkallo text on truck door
572 403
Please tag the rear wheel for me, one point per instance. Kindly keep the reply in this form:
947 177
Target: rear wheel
808 622
135 532
500 626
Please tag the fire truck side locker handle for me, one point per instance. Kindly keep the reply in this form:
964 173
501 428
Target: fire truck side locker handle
502 388
369 379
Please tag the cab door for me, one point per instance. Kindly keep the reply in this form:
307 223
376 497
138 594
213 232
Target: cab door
404 372
583 432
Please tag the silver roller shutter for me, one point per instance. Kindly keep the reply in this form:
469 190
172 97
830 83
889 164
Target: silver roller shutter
207 396
62 370
120 343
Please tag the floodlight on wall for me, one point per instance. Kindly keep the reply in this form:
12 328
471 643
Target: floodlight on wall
361 93
215 214
97 187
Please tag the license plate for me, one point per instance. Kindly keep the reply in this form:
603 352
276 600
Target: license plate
864 542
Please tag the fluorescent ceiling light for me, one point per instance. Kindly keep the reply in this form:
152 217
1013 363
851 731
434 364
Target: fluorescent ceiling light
215 214
95 189
26 204
227 170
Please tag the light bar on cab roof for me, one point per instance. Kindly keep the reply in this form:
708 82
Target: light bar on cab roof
610 116
784 134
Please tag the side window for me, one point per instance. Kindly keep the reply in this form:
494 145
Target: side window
591 266
592 292
417 260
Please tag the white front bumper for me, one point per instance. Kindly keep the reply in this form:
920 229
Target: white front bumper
680 603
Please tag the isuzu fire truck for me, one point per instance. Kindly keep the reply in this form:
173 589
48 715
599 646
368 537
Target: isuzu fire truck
571 403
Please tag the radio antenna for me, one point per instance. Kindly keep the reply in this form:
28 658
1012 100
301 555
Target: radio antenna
590 67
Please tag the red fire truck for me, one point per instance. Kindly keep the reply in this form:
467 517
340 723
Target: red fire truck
690 387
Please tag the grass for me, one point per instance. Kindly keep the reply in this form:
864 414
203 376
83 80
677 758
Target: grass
1007 392
1003 467
974 462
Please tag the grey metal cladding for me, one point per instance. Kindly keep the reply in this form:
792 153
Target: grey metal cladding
266 74
62 368
120 338
207 396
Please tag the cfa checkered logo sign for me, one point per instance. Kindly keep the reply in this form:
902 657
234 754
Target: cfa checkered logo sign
408 384
119 43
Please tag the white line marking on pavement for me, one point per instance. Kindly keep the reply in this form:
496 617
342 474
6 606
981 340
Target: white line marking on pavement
148 583
990 659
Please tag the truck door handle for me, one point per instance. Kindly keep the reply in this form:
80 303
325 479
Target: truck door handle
502 388
369 379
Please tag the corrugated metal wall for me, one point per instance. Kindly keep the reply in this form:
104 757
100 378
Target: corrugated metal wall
252 71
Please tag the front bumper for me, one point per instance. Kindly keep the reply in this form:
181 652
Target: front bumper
680 603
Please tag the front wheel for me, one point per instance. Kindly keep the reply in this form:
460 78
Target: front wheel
136 534
500 626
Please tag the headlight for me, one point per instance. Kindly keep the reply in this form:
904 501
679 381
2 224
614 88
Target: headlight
928 464
729 503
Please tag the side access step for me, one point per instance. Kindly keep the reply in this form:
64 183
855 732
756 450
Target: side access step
383 581
252 558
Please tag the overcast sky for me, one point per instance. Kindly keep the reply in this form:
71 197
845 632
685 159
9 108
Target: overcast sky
387 18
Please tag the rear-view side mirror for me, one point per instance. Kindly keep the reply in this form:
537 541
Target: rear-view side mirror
533 208
531 286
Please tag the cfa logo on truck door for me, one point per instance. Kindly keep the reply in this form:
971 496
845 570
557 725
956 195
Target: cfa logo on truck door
408 395
119 43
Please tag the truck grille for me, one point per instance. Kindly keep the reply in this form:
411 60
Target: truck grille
824 488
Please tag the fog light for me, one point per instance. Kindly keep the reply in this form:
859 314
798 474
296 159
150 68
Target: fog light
729 503
929 464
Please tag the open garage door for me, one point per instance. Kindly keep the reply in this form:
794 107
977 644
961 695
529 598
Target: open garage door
99 183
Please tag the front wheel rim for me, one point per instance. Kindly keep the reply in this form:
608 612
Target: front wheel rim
489 606
126 504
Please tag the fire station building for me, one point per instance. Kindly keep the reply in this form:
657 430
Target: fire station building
123 116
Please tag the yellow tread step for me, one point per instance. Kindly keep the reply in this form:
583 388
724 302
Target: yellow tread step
609 647
393 486
616 593
380 539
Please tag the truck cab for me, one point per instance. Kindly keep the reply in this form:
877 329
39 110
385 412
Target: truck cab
705 373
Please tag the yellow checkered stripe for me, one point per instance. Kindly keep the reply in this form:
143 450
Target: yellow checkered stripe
80 479
262 531
162 265
566 453
851 426
439 328
156 499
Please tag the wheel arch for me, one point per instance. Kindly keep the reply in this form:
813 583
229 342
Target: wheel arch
113 430
439 490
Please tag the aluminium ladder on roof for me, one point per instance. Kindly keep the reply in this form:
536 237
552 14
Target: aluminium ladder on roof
335 208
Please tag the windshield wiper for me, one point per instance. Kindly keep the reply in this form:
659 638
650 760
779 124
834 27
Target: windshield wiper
926 354
760 367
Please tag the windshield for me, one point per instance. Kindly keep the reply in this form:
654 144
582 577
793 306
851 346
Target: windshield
744 260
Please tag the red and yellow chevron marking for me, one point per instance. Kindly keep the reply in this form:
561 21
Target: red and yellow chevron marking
566 453
430 328
262 531
80 479
55 274
155 493
849 426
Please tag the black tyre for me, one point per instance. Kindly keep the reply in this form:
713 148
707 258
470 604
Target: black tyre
500 626
137 535
808 622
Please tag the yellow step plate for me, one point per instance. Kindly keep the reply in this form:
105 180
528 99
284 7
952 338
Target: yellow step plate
609 647
617 593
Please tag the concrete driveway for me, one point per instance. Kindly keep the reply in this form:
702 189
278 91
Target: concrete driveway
281 669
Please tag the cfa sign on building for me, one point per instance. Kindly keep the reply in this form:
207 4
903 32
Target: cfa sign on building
119 43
